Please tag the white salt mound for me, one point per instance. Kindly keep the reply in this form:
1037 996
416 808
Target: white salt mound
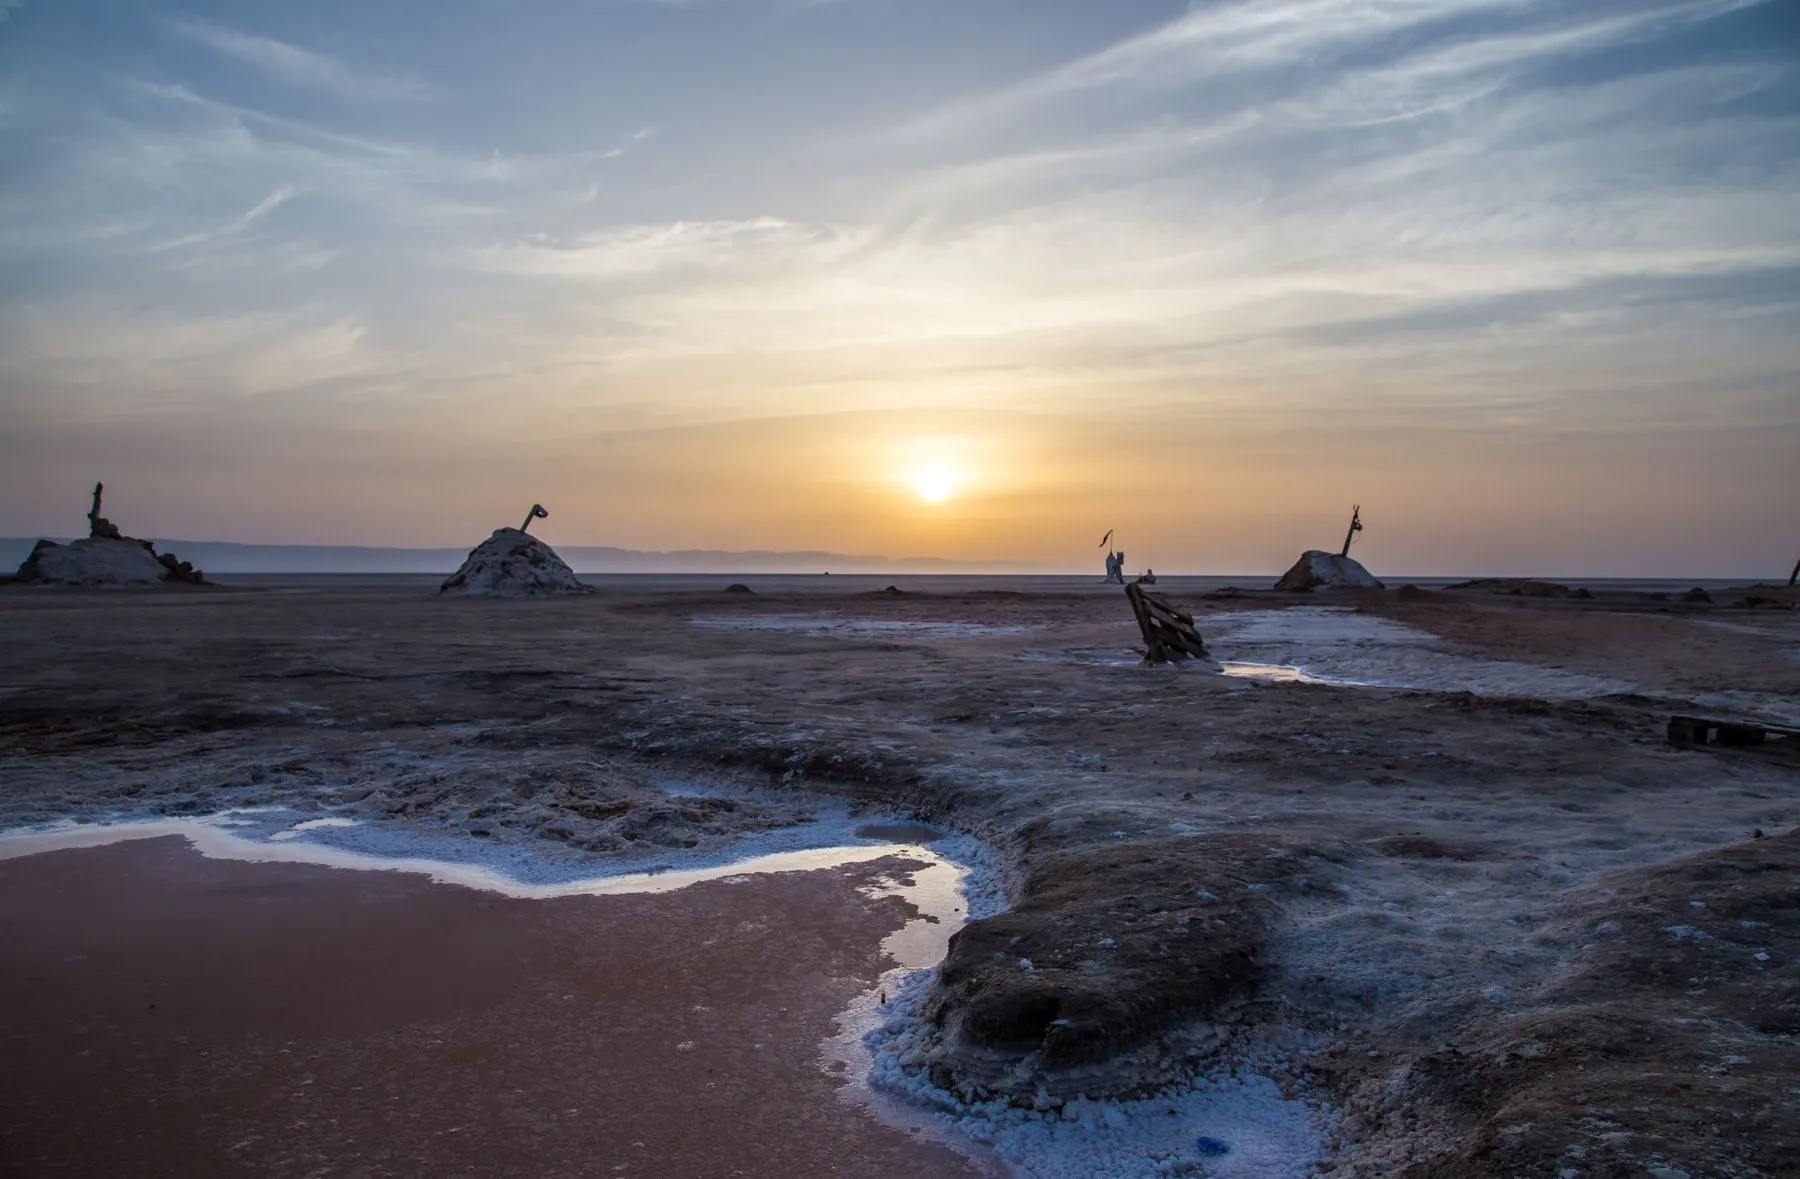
514 564
96 561
1321 570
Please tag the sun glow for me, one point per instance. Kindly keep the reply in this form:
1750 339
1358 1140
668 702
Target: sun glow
935 484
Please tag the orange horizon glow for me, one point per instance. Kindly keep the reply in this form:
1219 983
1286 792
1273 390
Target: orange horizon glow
1523 283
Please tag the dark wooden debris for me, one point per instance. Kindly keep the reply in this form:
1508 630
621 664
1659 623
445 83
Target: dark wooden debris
1704 731
1169 634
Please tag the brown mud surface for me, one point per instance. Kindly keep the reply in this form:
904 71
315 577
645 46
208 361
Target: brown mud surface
163 1014
1409 874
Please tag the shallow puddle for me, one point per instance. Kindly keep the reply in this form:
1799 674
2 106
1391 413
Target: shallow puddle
908 832
182 997
442 1015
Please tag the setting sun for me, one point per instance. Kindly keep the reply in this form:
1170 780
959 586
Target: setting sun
934 484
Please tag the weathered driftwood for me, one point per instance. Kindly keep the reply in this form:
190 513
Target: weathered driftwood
1700 730
1169 634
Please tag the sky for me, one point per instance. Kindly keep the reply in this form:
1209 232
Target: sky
973 279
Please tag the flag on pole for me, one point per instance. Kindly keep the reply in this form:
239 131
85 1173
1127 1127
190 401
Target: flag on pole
1107 539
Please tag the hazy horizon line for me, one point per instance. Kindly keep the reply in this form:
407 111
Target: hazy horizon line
946 566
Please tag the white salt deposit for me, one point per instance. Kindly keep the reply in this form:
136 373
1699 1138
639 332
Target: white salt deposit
513 564
1232 1122
1333 645
299 829
97 561
1276 673
270 836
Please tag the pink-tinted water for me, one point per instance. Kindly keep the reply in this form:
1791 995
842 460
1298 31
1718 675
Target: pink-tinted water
162 1013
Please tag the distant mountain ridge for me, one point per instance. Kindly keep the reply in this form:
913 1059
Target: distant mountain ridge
225 557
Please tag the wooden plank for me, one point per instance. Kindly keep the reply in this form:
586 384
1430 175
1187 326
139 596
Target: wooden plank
1169 634
1161 609
1730 734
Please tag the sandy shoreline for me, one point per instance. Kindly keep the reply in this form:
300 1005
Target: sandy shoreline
1458 884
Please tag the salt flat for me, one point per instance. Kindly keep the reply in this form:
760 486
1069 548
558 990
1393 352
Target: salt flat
1441 869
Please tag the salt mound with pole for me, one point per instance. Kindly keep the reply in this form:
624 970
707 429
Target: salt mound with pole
512 563
105 557
1321 570
1317 569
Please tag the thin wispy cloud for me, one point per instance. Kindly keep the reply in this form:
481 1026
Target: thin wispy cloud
295 65
236 225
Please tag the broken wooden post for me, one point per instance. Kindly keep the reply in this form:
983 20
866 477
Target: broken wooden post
537 512
1169 634
1355 527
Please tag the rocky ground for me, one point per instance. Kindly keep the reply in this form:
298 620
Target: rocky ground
1528 936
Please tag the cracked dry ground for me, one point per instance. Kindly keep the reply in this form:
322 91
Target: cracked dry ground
1527 937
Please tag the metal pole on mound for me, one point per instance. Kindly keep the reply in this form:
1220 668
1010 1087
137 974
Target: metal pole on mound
1355 527
1794 577
537 512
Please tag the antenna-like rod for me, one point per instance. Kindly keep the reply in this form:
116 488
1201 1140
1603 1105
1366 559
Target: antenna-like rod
537 512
